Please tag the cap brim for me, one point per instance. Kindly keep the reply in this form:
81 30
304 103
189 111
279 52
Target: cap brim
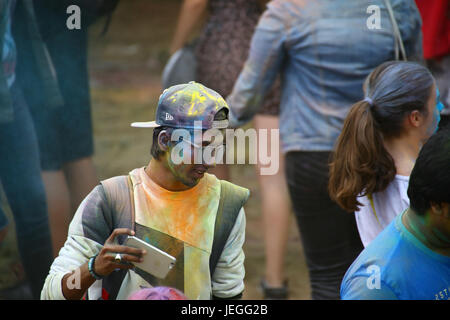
149 124
220 124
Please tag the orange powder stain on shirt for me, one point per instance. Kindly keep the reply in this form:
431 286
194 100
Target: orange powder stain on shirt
187 215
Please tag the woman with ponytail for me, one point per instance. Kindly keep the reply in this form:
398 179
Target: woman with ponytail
380 140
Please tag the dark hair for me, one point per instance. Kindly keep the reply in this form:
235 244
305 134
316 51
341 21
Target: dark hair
360 164
430 177
156 151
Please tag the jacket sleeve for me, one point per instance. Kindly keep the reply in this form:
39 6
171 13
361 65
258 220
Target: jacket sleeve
228 278
262 66
413 42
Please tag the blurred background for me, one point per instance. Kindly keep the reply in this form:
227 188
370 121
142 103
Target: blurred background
125 67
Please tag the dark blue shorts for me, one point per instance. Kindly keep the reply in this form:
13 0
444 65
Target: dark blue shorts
64 133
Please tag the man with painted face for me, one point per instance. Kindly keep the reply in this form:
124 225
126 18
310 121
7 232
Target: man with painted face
172 203
410 259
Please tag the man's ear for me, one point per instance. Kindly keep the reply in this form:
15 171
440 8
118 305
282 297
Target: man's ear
437 208
163 140
445 210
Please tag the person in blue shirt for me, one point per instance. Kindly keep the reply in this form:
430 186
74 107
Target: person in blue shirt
410 259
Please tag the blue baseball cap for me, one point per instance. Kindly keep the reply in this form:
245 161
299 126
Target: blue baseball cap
189 106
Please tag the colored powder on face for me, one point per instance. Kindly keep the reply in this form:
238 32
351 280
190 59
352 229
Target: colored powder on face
439 108
158 293
439 104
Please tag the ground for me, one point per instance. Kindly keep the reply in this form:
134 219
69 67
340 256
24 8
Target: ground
125 72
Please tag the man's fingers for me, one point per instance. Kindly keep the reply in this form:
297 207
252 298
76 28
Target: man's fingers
118 232
124 249
126 258
122 266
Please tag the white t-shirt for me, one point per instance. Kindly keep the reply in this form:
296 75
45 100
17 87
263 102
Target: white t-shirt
388 204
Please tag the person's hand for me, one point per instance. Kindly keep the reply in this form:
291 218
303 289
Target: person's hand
105 262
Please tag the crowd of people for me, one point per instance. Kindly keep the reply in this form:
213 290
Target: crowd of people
365 152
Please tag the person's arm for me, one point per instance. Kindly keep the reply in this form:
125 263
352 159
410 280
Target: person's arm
414 43
358 288
92 225
228 278
191 12
104 265
267 52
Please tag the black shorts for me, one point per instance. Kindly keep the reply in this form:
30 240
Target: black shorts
65 133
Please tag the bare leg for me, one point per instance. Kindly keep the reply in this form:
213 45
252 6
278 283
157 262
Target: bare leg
81 179
275 211
58 201
65 189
